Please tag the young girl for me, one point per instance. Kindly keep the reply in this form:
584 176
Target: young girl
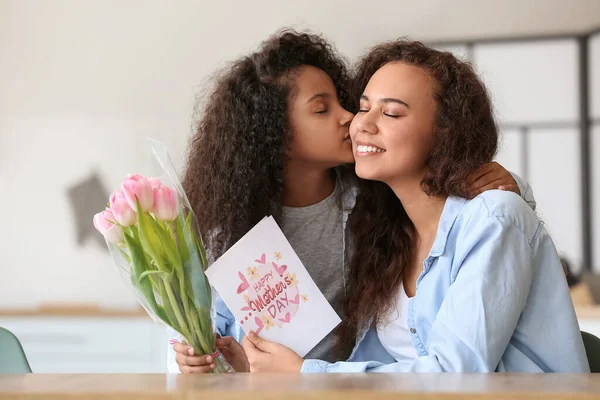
273 140
442 283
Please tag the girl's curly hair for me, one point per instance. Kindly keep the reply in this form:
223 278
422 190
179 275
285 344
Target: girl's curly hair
465 137
237 157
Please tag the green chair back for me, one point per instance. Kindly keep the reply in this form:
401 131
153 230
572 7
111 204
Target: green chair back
592 350
12 356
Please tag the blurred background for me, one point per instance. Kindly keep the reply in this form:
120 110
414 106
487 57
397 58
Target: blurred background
84 82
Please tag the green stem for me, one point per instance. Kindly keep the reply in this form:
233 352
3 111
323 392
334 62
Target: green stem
204 320
206 348
184 297
168 308
179 277
176 310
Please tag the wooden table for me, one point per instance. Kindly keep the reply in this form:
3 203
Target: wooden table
297 386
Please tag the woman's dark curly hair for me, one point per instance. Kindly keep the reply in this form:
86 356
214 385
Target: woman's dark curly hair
465 137
236 164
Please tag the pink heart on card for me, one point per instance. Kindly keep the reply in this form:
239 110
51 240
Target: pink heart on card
262 259
259 325
285 319
296 299
244 285
280 269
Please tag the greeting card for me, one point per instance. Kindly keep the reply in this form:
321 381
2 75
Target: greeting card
268 290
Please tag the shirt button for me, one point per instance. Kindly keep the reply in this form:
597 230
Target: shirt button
413 330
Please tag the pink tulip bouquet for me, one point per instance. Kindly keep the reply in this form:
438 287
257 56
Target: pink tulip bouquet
149 229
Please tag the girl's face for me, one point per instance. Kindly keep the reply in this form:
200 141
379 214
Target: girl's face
392 134
319 124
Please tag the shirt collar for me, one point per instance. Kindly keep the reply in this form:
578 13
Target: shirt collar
452 208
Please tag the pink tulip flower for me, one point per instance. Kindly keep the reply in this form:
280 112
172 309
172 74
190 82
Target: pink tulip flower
138 187
123 213
103 222
166 204
155 182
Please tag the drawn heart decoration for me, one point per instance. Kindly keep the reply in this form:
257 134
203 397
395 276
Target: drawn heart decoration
280 269
285 319
244 285
296 299
259 325
262 259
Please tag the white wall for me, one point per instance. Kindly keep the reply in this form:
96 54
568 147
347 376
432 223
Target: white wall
531 82
510 151
556 179
83 82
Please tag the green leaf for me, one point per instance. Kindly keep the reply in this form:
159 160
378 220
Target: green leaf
194 268
167 243
206 331
125 255
138 261
161 274
195 241
197 284
168 308
202 252
182 240
148 236
138 267
188 220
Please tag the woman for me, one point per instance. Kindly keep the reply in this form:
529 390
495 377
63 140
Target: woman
273 140
453 285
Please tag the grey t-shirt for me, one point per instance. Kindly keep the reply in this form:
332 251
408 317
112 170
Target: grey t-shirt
316 233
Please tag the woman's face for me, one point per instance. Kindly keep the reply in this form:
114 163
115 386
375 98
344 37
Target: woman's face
392 133
319 123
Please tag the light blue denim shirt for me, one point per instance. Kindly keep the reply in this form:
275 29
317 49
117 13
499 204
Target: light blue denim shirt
226 325
492 297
